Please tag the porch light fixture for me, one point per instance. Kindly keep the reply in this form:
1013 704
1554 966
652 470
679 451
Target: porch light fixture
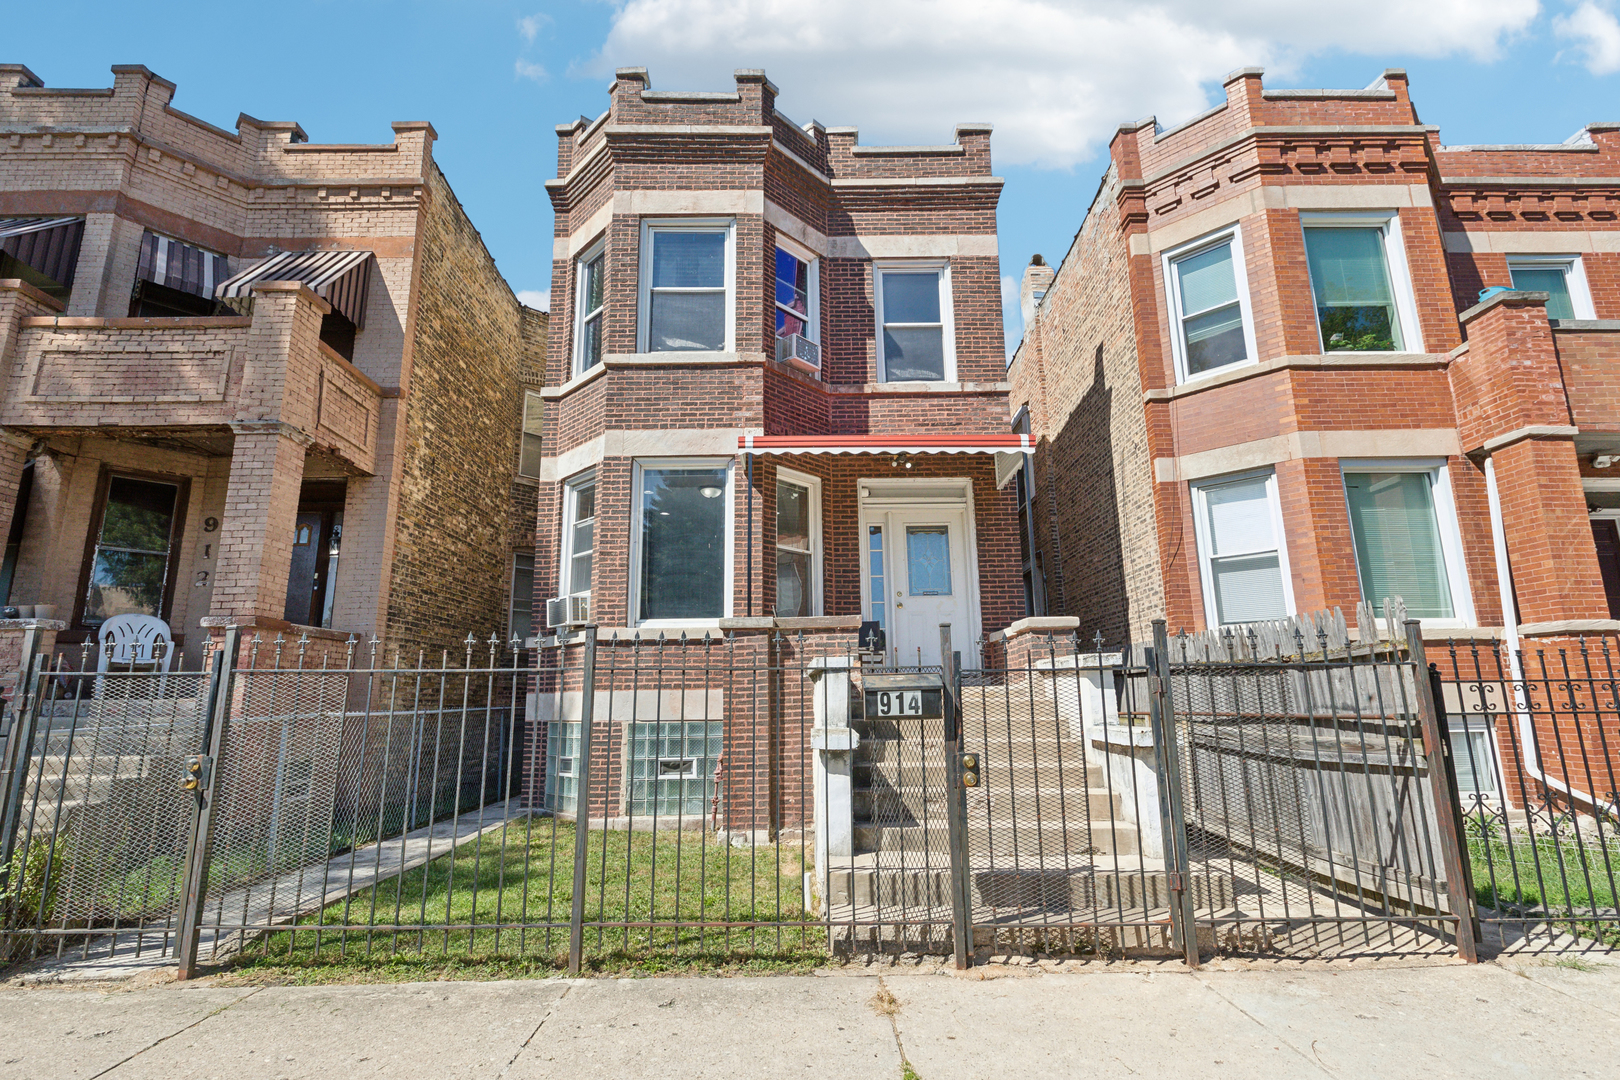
901 460
709 491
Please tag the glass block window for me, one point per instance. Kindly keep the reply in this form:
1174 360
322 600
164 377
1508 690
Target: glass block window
672 766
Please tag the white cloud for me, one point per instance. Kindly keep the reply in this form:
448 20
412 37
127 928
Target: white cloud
1596 33
526 70
529 26
1055 76
539 299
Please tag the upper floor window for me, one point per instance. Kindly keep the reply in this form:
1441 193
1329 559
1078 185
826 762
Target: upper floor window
686 286
1358 276
590 305
1209 304
915 332
1561 277
797 307
532 450
1241 558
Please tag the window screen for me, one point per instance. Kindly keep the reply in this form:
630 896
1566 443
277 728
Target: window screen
1397 539
913 332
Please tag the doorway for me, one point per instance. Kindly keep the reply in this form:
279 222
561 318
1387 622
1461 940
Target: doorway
1606 535
317 537
919 570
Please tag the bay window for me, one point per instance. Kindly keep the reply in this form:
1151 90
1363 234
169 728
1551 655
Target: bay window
579 535
1406 540
686 286
1359 281
682 540
1241 556
915 329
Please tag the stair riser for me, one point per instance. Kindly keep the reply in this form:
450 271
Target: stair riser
889 806
1118 840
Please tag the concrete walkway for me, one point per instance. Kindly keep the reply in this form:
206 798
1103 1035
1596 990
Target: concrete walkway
1522 1016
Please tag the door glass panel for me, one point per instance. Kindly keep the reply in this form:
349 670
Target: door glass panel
928 560
874 549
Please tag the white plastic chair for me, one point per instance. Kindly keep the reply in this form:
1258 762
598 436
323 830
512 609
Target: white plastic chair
129 642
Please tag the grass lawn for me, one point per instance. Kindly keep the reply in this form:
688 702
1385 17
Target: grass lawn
438 920
1543 873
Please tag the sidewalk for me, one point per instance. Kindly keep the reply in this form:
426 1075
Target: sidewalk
1516 1017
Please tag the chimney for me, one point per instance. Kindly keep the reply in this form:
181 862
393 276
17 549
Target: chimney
1037 279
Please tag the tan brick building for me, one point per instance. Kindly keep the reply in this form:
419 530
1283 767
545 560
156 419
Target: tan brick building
251 379
1303 354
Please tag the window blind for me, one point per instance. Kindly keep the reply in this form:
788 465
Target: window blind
1397 540
1355 305
1552 280
1244 564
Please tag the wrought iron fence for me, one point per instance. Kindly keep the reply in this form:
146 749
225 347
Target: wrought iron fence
771 795
1535 735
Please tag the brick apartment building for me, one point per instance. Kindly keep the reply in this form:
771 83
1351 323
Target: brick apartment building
775 399
252 379
1264 379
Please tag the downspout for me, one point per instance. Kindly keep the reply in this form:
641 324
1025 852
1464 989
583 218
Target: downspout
1530 756
748 471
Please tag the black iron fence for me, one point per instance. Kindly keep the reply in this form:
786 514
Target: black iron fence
632 798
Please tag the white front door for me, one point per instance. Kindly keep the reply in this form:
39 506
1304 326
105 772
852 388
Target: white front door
924 580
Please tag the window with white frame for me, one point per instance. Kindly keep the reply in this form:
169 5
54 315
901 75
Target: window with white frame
797 302
915 331
1241 555
1473 752
1209 304
686 285
520 624
1360 283
590 304
579 535
1404 529
1561 277
682 540
798 545
532 450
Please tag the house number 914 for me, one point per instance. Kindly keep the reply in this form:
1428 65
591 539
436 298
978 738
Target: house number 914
923 703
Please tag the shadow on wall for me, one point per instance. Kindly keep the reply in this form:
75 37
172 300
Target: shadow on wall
1088 508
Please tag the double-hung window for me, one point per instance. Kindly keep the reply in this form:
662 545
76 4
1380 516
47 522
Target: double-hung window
579 535
1561 277
687 270
796 294
1209 304
915 330
1360 283
532 450
1241 555
590 304
1406 539
681 565
798 545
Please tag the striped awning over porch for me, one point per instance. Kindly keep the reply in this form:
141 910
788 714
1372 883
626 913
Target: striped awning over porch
49 245
1009 449
341 278
180 266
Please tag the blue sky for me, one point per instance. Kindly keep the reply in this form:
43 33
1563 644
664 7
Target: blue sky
1055 76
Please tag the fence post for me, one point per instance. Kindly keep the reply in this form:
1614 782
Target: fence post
1447 808
194 892
956 807
25 704
1161 713
582 802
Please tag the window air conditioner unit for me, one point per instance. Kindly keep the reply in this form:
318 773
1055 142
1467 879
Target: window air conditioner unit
798 347
567 611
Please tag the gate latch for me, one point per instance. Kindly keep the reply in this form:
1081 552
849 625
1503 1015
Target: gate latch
970 770
198 769
1173 881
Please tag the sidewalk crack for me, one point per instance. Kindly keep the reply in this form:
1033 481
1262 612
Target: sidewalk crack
551 1009
172 1034
1312 1058
888 1005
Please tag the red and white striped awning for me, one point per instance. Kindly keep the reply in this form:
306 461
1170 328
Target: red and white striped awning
1000 443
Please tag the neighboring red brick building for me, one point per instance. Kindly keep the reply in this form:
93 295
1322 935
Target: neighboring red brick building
1264 379
776 392
251 379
